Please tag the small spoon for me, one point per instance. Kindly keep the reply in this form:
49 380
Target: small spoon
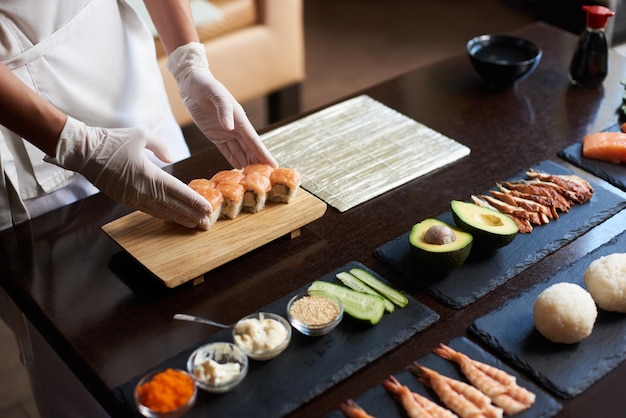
191 318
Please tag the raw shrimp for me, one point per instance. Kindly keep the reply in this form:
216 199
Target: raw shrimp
352 410
464 399
415 405
500 386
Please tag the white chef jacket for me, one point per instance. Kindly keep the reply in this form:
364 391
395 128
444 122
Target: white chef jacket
94 60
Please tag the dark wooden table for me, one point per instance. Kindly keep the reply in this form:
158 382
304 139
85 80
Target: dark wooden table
110 320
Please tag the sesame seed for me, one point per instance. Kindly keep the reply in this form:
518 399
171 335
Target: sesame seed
314 310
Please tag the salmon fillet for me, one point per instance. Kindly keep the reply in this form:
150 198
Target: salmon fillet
605 146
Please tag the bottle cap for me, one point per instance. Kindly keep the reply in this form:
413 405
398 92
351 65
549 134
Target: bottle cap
597 16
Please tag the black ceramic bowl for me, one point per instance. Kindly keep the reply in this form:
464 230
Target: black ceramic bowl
503 60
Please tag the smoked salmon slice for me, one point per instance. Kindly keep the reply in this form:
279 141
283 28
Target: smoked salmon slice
605 146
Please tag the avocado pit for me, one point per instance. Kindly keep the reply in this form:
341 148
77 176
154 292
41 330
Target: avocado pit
439 246
439 235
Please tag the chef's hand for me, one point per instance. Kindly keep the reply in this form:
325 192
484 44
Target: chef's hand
115 161
214 110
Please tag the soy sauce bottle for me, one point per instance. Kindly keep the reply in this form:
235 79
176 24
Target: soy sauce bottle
590 63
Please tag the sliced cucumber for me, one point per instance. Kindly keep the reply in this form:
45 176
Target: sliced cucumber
384 289
356 304
355 284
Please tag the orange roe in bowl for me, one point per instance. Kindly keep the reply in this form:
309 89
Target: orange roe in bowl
166 391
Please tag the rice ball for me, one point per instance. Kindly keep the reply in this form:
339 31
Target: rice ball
605 279
565 313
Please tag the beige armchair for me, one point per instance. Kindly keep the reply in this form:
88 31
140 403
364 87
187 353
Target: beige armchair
256 50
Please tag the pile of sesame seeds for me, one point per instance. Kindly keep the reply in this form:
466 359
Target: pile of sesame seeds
314 310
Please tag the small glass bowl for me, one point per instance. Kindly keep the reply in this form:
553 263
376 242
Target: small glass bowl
315 330
263 354
176 413
222 353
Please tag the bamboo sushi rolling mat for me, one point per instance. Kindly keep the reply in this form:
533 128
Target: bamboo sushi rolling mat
359 149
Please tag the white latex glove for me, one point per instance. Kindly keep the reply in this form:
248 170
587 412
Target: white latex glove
115 161
214 110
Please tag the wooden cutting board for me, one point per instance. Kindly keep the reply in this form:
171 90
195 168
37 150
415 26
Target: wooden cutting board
176 255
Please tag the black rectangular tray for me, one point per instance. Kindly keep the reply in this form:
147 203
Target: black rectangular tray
566 370
308 367
480 275
380 403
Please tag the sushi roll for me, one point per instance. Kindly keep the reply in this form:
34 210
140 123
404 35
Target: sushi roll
256 187
233 198
285 182
207 190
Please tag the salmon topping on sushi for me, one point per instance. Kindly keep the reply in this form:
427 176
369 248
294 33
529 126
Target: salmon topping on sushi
200 184
233 191
256 182
264 169
231 176
213 196
206 189
287 176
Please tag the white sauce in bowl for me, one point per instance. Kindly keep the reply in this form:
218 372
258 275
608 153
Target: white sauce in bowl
259 335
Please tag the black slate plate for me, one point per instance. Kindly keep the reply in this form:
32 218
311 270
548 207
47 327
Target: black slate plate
566 370
614 174
378 402
480 275
308 367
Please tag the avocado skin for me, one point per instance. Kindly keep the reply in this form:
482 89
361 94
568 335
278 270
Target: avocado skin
484 239
440 261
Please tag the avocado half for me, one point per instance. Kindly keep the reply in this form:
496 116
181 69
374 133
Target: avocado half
490 228
446 255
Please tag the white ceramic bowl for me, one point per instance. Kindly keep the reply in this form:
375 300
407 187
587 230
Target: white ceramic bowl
314 327
176 413
222 356
260 352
